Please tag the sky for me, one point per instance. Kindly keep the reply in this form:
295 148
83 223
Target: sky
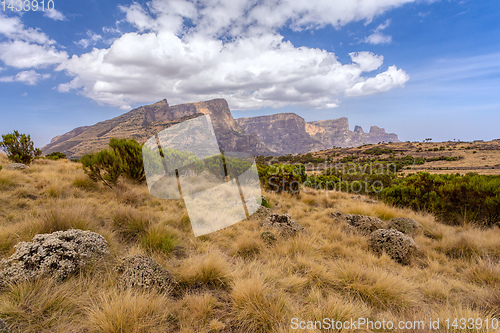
418 68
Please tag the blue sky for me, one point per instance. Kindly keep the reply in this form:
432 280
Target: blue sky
417 68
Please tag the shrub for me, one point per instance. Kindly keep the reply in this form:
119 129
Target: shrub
55 156
130 152
19 147
282 177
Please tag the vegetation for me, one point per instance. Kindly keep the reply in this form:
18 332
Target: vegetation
124 157
280 178
231 281
55 156
453 198
19 147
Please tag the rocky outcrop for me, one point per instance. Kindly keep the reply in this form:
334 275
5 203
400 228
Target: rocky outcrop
405 225
282 133
16 166
363 224
145 121
278 134
284 225
57 255
394 243
140 271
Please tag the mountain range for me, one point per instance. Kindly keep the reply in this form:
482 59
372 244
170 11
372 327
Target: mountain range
277 134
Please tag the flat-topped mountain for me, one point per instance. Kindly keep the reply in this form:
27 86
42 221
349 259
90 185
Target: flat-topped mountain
288 133
278 134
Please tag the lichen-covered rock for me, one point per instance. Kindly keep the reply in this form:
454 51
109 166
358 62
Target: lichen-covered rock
140 271
363 224
58 255
283 224
260 213
268 237
397 245
3 327
406 225
17 166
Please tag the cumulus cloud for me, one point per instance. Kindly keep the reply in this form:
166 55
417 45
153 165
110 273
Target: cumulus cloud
26 47
189 51
92 39
54 14
28 77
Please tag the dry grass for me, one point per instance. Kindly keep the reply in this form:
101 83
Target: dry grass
231 281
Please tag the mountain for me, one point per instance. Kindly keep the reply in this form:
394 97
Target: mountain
278 134
288 133
146 121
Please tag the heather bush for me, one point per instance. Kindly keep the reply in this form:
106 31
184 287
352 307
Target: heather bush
19 147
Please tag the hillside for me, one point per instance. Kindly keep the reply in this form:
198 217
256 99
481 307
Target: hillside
277 134
234 280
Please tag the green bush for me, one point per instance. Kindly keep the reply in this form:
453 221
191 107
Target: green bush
280 178
104 166
55 156
19 147
453 198
130 153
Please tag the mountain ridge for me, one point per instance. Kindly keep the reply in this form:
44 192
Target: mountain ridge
277 134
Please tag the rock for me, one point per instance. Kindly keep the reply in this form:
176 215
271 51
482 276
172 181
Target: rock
283 224
261 213
140 271
3 327
17 166
268 237
397 245
363 224
406 225
58 254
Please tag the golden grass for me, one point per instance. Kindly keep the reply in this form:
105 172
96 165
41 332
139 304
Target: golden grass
231 281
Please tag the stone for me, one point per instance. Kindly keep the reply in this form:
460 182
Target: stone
406 225
140 271
397 245
17 166
58 255
363 224
268 237
283 224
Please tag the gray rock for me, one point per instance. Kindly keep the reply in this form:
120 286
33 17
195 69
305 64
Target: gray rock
397 245
283 224
58 254
140 271
363 224
268 237
261 212
406 225
17 166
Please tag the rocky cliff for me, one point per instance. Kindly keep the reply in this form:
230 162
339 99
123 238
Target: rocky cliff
288 133
278 134
145 121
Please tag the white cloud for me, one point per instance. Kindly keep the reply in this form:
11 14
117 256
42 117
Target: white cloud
195 50
22 54
27 47
92 39
28 77
377 37
382 82
54 14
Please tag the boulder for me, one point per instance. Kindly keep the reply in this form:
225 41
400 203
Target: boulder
17 166
406 225
268 237
283 224
58 255
397 245
140 271
363 224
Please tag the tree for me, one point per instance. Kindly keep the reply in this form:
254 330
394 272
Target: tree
19 147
